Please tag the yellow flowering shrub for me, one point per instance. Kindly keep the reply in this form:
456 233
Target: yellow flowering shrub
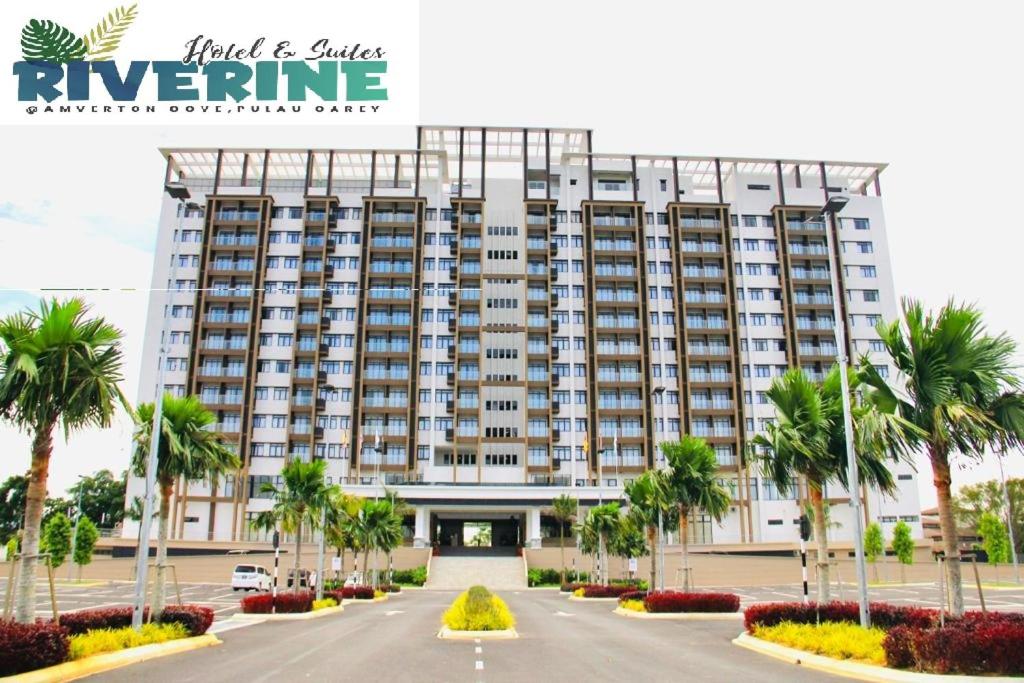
633 605
324 604
378 594
102 640
478 610
578 592
832 639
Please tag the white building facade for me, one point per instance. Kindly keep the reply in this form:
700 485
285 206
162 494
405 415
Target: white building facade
497 316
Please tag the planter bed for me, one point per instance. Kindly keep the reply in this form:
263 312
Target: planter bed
679 606
477 614
288 616
505 634
680 616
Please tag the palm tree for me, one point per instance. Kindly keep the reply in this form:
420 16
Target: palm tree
650 499
809 440
563 509
297 504
377 527
960 389
604 519
56 368
187 450
588 541
341 510
693 481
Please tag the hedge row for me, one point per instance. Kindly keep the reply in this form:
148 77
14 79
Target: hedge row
195 618
27 647
976 644
671 601
596 590
352 593
883 615
286 603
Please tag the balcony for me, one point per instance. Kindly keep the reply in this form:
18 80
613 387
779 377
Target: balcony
812 226
707 272
613 220
693 222
710 377
813 299
711 404
396 242
237 215
708 350
235 317
809 273
808 249
393 217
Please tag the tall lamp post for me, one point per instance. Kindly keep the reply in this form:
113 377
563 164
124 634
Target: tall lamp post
832 207
660 392
179 192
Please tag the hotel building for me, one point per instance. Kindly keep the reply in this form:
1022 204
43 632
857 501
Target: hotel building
497 316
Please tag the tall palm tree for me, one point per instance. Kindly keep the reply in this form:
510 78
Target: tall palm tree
342 508
589 542
693 481
57 367
377 527
297 504
187 450
809 440
564 509
604 519
959 387
650 500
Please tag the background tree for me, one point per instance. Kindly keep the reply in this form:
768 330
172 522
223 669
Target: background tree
296 505
604 520
564 509
57 368
57 539
973 500
102 497
874 545
994 540
693 482
628 539
377 527
12 505
588 541
650 499
809 441
960 389
85 542
903 547
189 451
341 510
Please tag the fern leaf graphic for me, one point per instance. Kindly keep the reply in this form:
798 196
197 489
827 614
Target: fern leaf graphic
102 40
48 41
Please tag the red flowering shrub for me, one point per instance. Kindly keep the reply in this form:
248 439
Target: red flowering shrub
671 601
195 618
883 615
352 593
633 595
975 644
286 603
26 647
90 619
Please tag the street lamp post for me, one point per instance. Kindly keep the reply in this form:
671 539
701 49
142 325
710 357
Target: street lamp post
179 192
832 207
660 392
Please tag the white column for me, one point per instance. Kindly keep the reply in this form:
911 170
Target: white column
421 537
533 528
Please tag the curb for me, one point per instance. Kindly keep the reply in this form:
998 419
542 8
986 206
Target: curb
108 661
576 599
447 634
298 616
680 616
851 669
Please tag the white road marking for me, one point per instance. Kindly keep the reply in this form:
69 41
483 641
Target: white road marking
476 640
226 625
479 665
394 612
563 614
478 650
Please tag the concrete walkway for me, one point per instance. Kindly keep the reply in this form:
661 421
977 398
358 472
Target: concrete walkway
459 573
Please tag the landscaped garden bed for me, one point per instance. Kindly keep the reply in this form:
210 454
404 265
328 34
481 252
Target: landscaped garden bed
478 613
909 638
367 593
541 578
288 606
597 591
82 642
676 605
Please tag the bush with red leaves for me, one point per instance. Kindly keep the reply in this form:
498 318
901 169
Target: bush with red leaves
26 647
975 644
351 593
195 618
883 615
671 601
90 619
632 595
286 603
595 590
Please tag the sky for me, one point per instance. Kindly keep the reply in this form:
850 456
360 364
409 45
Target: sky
931 89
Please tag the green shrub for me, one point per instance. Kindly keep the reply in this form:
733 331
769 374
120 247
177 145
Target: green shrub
410 577
543 577
324 604
111 640
832 639
478 610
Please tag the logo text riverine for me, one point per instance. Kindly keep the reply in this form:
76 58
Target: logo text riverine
354 71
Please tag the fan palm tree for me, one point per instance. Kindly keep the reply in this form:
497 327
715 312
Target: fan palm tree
959 388
57 367
563 509
604 519
650 500
693 481
809 440
187 450
297 504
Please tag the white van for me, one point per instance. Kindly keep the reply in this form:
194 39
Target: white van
250 577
